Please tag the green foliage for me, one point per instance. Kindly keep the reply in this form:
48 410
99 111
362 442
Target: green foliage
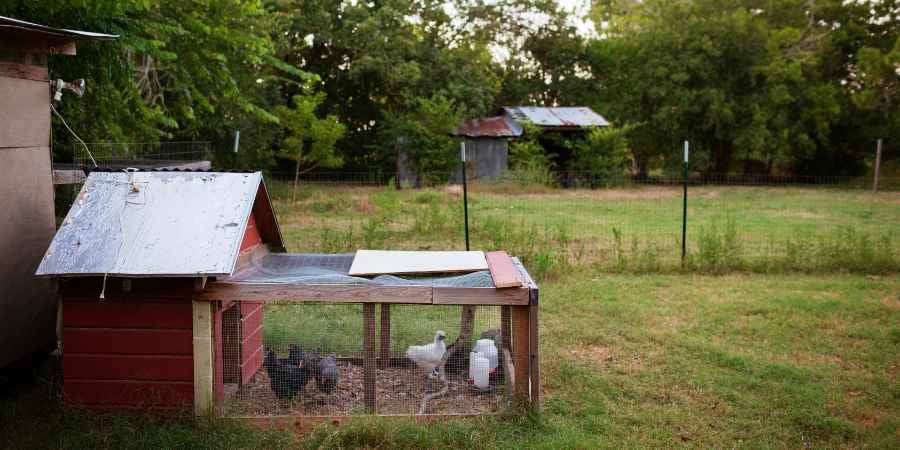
424 135
397 83
791 87
879 84
309 140
530 163
754 90
179 71
602 153
718 248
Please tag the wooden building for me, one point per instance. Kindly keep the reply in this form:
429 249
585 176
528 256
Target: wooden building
164 275
487 138
131 254
28 305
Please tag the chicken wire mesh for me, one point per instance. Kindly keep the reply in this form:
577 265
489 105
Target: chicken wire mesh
310 359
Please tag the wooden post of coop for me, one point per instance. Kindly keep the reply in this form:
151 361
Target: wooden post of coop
203 354
384 359
369 356
521 354
534 344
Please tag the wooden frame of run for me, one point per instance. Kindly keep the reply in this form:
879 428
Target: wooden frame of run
519 331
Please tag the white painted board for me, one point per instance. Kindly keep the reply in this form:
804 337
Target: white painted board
380 262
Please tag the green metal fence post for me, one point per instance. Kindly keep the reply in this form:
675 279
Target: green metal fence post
684 207
462 154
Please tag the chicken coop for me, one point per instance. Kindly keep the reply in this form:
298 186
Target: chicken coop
178 296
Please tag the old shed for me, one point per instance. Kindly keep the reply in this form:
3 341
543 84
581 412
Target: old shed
487 138
28 305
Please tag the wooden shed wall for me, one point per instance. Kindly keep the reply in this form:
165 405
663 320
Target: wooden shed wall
27 305
128 353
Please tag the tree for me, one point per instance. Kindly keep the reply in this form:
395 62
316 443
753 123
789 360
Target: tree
877 84
309 140
180 70
384 65
742 80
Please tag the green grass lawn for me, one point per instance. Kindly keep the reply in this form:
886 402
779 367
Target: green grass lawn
629 360
759 229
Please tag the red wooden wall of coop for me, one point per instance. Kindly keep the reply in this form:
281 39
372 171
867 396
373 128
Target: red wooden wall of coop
239 346
128 353
137 352
251 315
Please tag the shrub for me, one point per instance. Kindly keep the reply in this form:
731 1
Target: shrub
529 161
601 156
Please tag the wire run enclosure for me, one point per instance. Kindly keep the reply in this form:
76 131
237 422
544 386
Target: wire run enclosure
176 345
297 354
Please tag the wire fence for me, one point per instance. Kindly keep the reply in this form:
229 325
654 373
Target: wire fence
564 221
140 154
308 359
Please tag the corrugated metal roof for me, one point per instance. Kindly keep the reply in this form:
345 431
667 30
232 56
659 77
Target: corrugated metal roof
498 126
163 224
21 25
561 117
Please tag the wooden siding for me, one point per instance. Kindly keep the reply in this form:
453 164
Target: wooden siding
251 235
242 338
251 339
25 114
127 353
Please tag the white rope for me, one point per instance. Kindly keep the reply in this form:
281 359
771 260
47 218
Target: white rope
74 134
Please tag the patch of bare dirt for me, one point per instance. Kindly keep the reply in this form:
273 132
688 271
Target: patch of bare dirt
363 205
398 391
801 214
594 353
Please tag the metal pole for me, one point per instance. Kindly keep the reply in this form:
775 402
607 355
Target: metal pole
462 154
684 207
877 166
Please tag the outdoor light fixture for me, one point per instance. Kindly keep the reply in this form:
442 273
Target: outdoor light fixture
77 87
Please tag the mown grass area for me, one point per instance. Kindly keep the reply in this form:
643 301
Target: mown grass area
629 360
636 229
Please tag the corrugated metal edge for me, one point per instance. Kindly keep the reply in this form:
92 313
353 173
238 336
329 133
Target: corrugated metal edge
513 125
38 28
519 113
235 252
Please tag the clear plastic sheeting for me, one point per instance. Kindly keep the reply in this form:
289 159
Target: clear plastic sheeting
321 268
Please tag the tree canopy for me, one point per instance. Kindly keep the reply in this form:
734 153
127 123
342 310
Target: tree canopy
775 86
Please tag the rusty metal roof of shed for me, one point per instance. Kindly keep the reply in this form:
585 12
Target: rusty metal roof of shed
557 117
157 224
498 126
16 26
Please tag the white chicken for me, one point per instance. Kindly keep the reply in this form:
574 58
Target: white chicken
428 356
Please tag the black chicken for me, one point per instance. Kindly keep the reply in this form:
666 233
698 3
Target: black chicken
328 374
287 376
